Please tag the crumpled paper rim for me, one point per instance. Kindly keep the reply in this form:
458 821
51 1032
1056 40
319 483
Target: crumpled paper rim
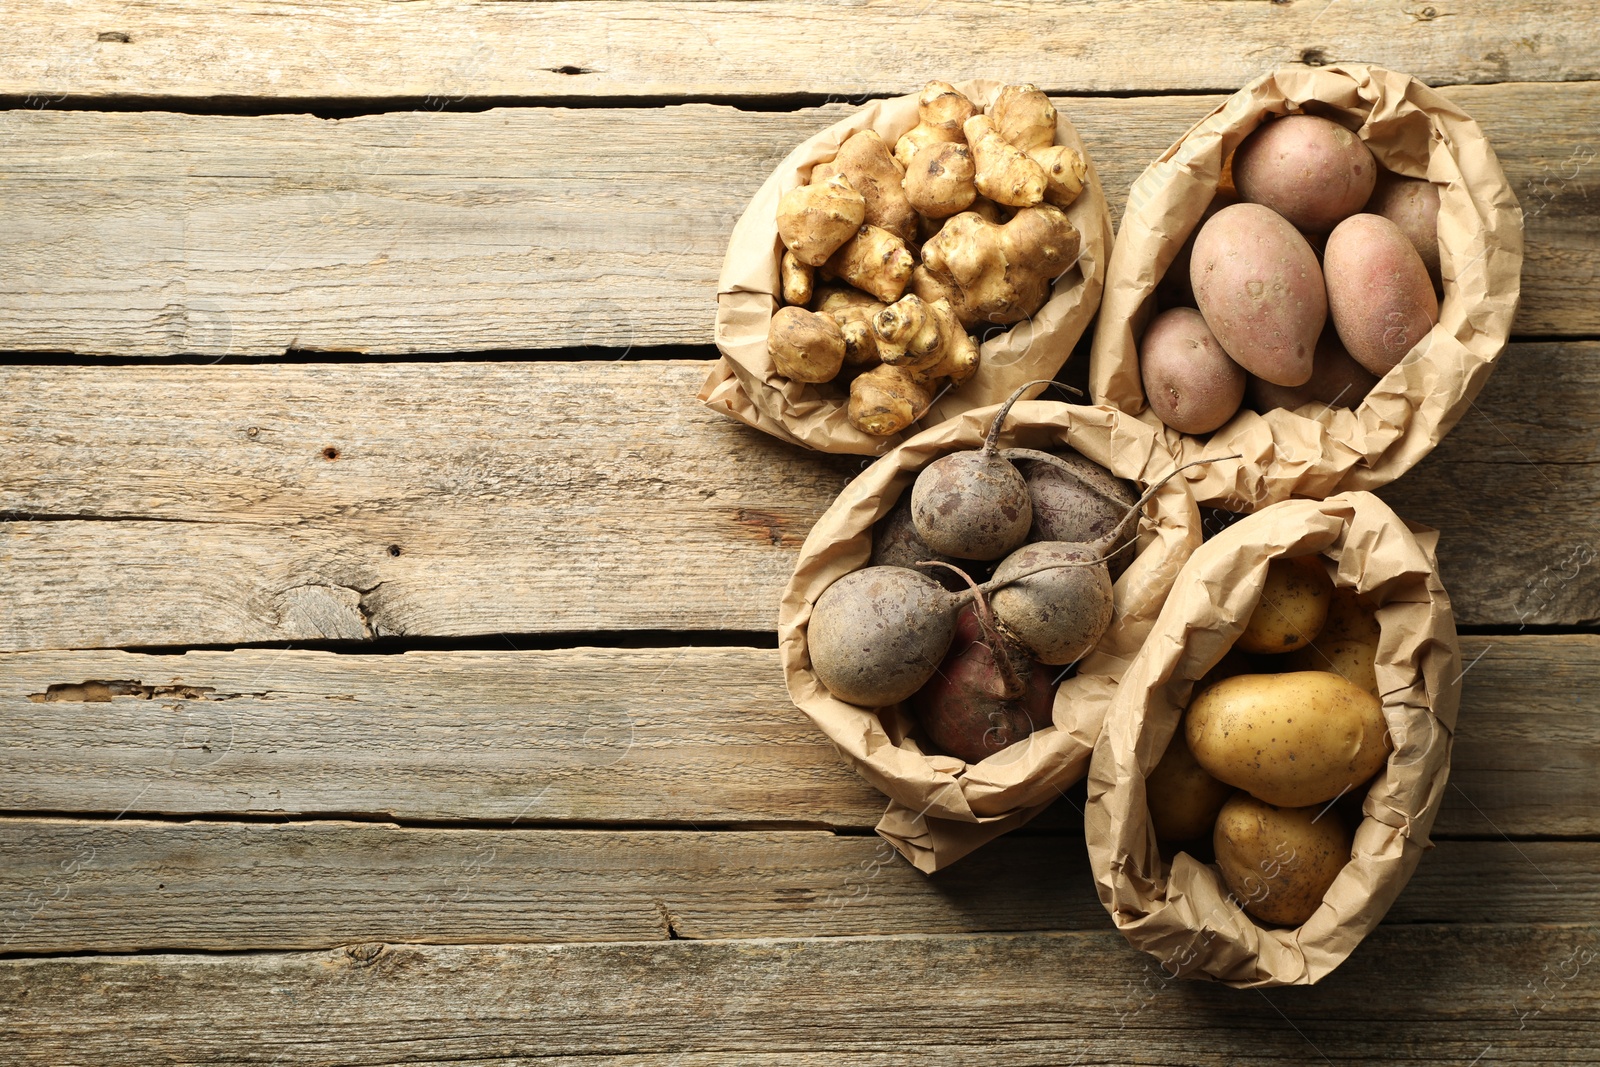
941 808
743 383
1412 130
1180 913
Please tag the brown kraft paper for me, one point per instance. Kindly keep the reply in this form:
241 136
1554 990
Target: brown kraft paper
1182 912
744 385
1315 451
941 808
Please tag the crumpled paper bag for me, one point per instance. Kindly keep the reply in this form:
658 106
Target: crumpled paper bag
940 807
1181 912
1411 130
744 385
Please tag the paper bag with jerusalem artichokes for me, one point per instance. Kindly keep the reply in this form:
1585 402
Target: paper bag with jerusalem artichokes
940 807
745 385
1411 130
1181 911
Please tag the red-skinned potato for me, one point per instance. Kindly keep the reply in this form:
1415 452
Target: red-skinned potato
1308 169
1192 384
1379 295
1175 289
1260 288
1413 205
1337 381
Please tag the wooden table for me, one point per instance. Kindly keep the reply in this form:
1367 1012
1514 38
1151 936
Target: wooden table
389 669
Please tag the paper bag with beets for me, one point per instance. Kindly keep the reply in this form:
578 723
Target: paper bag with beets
940 807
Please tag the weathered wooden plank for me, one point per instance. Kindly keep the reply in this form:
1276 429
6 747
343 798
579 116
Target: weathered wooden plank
180 505
77 886
1511 491
624 736
72 885
599 735
351 501
1517 993
153 234
288 50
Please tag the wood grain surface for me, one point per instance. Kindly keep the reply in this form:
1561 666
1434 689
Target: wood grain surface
171 505
369 333
150 233
687 736
623 48
1525 991
90 886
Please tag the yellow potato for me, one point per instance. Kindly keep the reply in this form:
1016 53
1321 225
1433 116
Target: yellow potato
1289 739
1292 609
1183 798
1352 660
1279 862
1349 619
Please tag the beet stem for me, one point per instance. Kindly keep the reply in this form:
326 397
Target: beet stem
1138 506
990 441
1011 683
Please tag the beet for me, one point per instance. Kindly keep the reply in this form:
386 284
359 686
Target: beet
1075 499
1058 615
895 544
969 710
877 634
974 504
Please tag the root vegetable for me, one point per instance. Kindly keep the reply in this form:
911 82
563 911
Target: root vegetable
1192 385
939 180
941 112
1184 800
1024 116
874 261
984 697
895 544
1279 862
853 311
805 346
1260 288
866 161
973 504
1002 272
1065 171
908 335
886 400
1075 499
1292 609
878 634
959 351
798 279
814 220
1004 173
1380 298
1059 615
1336 380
